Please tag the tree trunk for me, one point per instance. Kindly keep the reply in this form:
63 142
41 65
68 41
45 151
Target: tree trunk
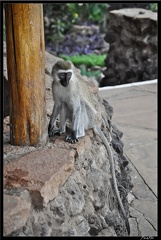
26 73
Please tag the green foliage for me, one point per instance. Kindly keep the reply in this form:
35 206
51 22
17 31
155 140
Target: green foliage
73 10
89 60
94 13
89 11
61 17
58 19
154 7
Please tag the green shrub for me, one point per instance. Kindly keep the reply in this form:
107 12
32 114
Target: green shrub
93 12
89 60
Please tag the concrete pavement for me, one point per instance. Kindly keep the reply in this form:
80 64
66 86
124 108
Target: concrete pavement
135 114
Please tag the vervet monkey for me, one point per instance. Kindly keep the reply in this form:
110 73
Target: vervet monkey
73 100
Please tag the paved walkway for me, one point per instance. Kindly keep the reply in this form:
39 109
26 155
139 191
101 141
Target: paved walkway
135 114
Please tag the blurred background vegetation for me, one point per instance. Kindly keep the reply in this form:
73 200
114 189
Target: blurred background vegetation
63 16
83 49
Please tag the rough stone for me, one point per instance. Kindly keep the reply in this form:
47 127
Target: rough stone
130 197
50 60
82 226
80 206
16 212
41 172
107 232
84 143
132 55
74 199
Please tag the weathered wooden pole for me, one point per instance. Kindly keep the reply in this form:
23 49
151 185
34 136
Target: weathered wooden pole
26 73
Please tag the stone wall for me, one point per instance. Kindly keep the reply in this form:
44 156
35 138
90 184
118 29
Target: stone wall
63 189
132 55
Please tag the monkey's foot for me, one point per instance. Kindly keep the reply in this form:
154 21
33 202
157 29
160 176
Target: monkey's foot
54 132
71 139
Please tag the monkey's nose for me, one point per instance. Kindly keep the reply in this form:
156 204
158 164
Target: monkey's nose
64 82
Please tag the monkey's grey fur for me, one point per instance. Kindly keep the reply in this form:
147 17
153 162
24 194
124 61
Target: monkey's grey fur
74 101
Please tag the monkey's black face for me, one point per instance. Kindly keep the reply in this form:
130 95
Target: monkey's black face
65 78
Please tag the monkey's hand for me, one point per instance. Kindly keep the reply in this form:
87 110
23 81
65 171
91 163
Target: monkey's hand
71 138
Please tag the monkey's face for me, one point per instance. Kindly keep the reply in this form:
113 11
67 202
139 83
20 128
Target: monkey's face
62 72
64 77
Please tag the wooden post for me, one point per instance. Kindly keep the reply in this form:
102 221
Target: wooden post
26 73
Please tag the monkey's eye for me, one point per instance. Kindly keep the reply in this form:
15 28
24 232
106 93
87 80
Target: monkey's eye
61 75
69 74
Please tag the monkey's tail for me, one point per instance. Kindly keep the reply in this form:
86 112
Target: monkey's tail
98 132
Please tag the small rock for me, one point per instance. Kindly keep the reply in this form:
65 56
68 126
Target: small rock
130 197
41 172
82 226
16 212
74 199
84 143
